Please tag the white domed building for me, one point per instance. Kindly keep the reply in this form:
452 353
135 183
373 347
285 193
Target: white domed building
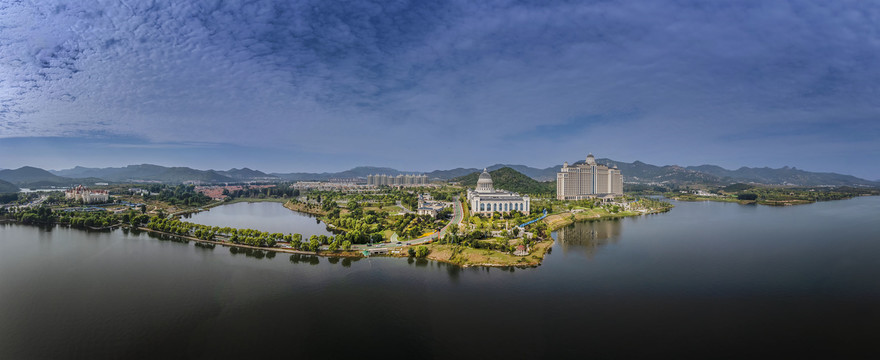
486 200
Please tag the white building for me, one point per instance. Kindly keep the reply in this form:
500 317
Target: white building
588 180
427 205
88 196
486 200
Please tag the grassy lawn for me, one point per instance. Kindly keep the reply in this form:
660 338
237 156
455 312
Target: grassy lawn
466 256
557 221
301 207
392 209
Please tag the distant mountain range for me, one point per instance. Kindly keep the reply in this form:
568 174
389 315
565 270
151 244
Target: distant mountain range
358 172
31 177
148 172
635 172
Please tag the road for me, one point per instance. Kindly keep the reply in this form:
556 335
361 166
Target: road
404 209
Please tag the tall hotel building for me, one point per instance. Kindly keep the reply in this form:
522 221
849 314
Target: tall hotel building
588 180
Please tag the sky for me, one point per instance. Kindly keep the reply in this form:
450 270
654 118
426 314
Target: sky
285 86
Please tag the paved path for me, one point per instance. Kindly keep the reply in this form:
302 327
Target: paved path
404 209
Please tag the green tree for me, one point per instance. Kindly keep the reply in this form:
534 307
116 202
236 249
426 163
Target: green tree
314 243
421 251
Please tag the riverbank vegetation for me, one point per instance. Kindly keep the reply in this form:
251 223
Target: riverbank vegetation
770 195
44 215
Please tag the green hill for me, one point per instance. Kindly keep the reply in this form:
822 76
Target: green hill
511 180
28 174
7 187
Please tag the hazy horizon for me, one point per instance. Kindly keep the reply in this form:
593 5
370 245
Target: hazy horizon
312 86
375 166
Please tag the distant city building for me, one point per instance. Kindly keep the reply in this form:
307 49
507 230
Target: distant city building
486 200
588 180
399 180
88 196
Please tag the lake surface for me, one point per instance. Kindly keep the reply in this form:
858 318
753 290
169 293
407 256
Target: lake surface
264 216
705 280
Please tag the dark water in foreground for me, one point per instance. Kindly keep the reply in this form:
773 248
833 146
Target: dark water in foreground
705 280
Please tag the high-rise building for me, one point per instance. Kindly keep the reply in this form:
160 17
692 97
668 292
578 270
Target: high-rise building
588 180
398 180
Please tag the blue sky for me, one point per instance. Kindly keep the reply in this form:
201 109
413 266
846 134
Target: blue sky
325 86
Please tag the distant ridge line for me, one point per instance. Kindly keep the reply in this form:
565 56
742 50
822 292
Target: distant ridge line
634 172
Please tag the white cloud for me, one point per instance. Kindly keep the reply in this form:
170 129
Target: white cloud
371 78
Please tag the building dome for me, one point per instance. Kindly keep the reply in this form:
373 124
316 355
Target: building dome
484 183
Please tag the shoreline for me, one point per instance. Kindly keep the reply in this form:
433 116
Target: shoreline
339 254
229 244
557 221
300 207
449 254
790 202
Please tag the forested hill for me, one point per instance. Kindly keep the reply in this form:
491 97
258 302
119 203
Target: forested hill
7 187
31 177
511 180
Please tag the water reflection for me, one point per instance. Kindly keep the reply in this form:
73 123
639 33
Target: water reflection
206 246
165 237
588 236
251 253
308 259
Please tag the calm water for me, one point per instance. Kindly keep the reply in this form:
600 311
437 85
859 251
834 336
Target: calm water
705 280
264 216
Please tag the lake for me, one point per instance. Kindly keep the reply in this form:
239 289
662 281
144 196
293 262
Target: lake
272 217
705 280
